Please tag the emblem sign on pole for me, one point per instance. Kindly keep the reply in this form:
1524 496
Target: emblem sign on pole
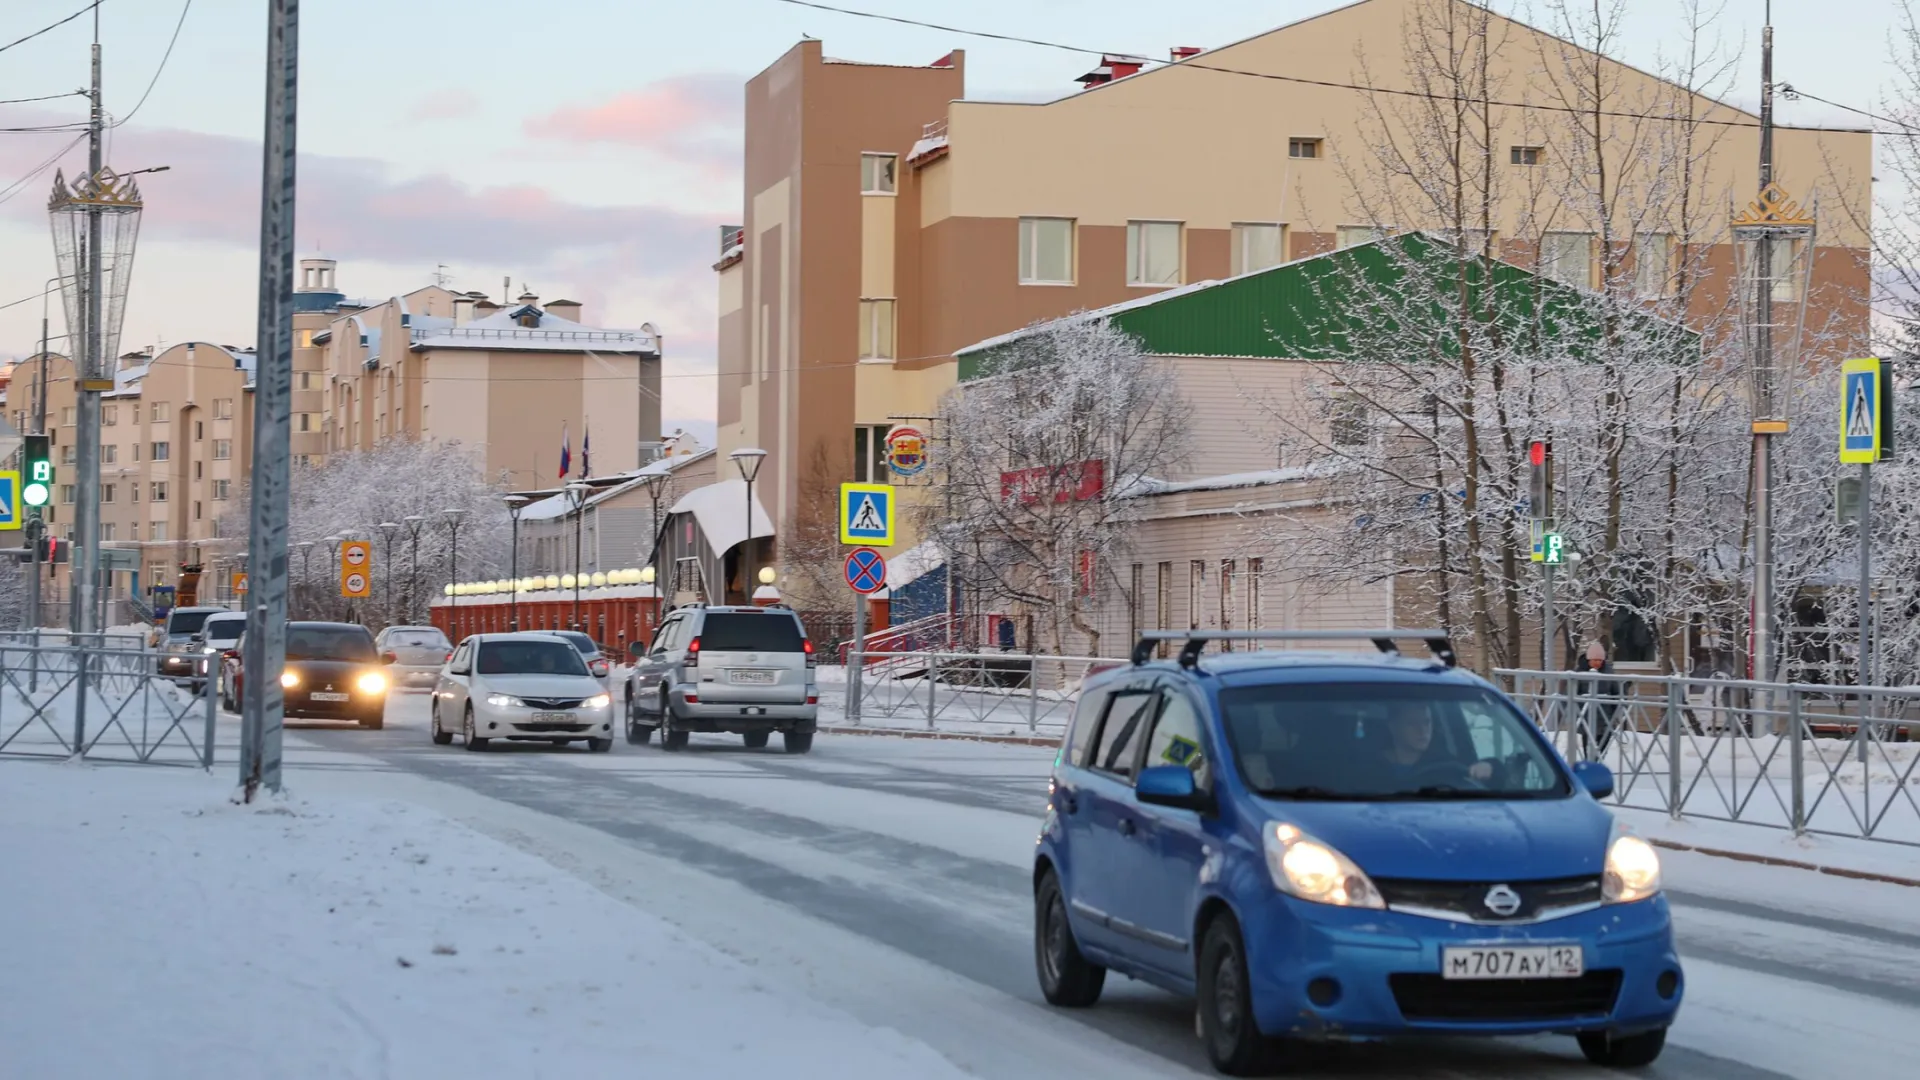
356 569
906 450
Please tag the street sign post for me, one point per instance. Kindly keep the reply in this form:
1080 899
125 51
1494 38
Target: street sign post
866 571
1866 435
356 569
866 514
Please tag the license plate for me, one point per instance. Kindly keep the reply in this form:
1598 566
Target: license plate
1512 962
553 717
323 696
756 678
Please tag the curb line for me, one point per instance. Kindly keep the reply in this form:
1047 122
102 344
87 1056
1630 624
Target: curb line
1794 864
946 736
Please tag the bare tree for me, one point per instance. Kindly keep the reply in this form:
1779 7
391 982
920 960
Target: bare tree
1038 456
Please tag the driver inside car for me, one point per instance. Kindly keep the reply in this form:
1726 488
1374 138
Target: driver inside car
1410 737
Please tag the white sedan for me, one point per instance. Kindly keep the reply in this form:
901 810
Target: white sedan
526 687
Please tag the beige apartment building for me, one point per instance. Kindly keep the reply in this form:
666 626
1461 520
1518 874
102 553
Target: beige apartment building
889 221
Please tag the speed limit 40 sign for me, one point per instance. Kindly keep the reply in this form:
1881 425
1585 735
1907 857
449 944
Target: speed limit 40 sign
356 569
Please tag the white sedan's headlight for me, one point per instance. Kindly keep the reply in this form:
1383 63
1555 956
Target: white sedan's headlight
599 701
1310 870
1633 870
504 701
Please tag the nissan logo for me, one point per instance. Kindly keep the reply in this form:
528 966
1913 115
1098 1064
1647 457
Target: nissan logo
1502 901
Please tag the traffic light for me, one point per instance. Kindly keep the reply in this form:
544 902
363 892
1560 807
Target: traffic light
36 488
1540 464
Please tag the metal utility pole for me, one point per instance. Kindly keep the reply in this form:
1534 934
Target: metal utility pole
264 704
1762 434
83 572
35 526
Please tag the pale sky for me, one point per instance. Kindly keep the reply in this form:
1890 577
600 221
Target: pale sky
588 148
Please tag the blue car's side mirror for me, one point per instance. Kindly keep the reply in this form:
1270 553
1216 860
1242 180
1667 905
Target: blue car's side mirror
1595 777
1170 785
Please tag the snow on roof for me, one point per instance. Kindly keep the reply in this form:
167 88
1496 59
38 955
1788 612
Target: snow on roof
926 146
1149 486
914 563
502 331
559 506
721 510
587 592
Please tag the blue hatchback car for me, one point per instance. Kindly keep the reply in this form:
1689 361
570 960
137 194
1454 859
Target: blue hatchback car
1332 846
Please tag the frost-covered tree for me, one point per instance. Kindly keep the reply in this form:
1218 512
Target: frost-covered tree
1037 452
15 580
351 494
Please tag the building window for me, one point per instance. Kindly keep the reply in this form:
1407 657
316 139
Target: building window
1135 598
1567 257
306 421
196 509
1524 155
109 415
159 492
220 490
1226 600
1196 591
1303 148
306 339
223 408
66 494
876 329
68 413
158 530
162 412
1258 246
1784 266
1347 421
222 449
109 453
870 454
199 470
133 491
1046 251
1653 265
876 173
161 451
106 531
1153 253
1254 567
199 431
1346 236
303 380
136 451
69 454
106 493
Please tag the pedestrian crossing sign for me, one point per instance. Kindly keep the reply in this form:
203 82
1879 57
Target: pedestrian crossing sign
866 514
9 500
1862 396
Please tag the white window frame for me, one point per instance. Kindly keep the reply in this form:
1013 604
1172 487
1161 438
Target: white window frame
162 412
1243 231
1315 145
873 179
1550 259
1346 236
1518 154
109 416
159 492
1653 277
222 449
871 322
1139 274
1030 228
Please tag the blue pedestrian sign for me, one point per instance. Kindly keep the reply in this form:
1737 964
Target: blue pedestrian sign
1861 395
866 514
10 517
866 570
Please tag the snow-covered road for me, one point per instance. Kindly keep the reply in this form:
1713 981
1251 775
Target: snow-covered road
890 878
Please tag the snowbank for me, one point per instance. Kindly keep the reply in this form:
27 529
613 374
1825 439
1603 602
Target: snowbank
161 931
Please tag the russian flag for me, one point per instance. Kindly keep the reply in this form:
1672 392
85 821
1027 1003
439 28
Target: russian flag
586 452
566 452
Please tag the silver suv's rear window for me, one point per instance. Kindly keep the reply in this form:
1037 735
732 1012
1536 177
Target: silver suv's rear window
734 631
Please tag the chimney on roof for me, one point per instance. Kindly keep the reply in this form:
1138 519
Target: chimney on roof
1112 66
944 62
484 307
528 298
1181 52
566 309
462 309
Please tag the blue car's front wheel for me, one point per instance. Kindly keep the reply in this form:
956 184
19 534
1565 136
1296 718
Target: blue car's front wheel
1235 1044
1628 1052
1067 978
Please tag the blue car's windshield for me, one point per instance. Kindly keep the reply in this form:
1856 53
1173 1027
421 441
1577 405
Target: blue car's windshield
1382 741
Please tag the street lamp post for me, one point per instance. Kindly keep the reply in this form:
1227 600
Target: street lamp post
515 504
453 516
389 529
748 460
414 522
656 484
306 577
333 559
577 495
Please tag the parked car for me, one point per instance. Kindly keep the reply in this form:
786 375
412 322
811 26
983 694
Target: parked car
746 670
179 653
418 653
332 672
1335 846
596 657
219 635
527 687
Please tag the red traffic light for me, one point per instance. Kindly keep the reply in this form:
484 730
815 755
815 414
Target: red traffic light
1537 452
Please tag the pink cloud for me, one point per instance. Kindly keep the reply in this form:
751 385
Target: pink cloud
661 115
449 104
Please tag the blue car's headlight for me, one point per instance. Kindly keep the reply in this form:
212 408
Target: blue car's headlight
1314 871
1633 870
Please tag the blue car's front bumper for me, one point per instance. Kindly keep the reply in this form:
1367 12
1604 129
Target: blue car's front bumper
1384 968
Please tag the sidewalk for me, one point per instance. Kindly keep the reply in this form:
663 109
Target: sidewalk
158 930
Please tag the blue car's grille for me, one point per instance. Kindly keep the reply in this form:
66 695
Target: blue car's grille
1468 899
1429 997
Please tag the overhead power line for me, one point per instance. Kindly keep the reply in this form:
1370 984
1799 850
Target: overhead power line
42 97
55 26
164 57
1201 65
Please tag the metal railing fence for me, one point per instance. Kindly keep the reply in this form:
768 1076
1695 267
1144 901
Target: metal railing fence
100 697
985 689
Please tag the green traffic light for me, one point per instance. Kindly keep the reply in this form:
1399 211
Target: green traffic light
35 494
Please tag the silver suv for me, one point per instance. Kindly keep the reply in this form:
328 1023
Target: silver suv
746 670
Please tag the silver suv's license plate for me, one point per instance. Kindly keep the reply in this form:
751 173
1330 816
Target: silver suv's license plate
750 677
1512 962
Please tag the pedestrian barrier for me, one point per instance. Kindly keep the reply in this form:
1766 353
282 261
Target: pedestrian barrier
98 697
995 691
1827 760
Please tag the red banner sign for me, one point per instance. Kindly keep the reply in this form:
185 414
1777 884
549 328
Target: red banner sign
1058 483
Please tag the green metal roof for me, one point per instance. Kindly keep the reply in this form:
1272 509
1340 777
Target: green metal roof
1296 310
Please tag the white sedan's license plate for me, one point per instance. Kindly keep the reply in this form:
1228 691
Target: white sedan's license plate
1512 962
553 718
321 695
756 678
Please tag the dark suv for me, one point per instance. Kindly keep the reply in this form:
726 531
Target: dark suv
747 670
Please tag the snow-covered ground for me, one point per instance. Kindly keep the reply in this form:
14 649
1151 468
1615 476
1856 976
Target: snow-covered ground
159 930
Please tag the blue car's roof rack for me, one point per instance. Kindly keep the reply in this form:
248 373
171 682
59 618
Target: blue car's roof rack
1193 641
